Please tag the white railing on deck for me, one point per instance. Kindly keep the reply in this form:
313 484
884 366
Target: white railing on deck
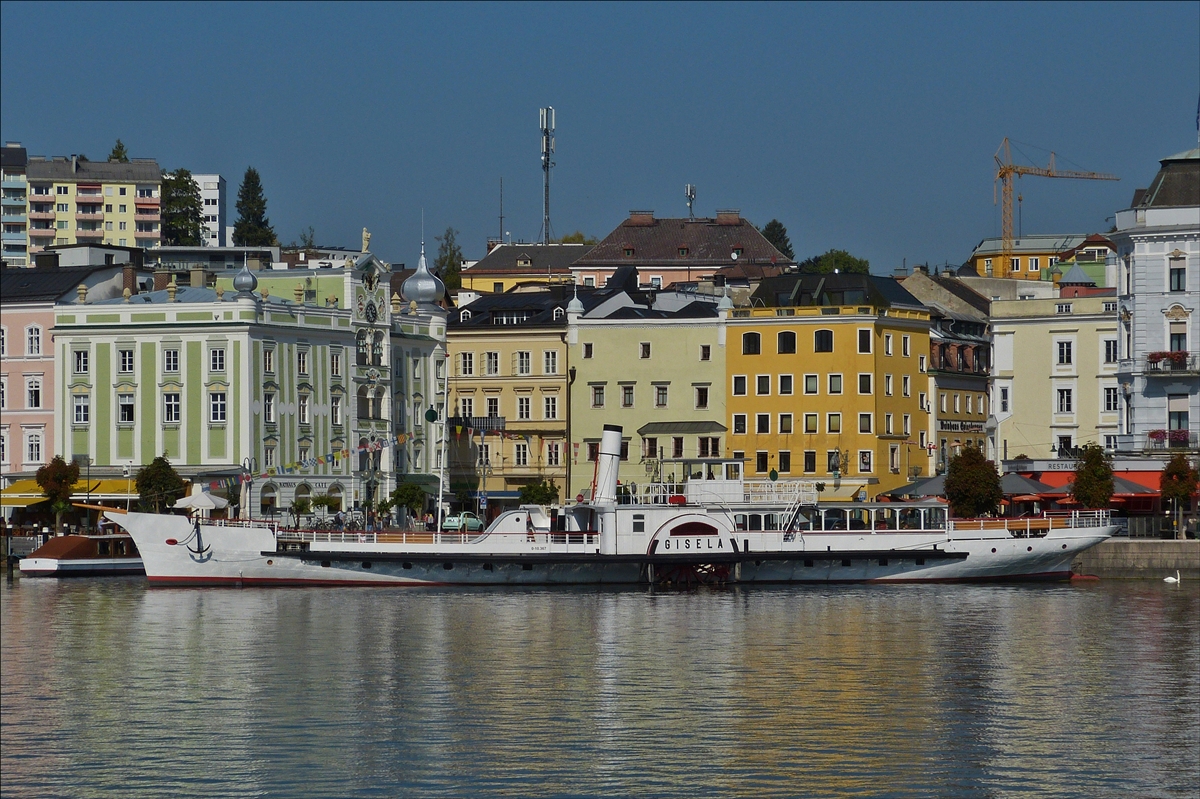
1036 526
557 540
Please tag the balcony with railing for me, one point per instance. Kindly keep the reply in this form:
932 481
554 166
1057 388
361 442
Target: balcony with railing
1171 441
89 199
140 200
43 232
15 199
480 424
96 217
146 214
12 217
13 182
89 234
48 216
1172 363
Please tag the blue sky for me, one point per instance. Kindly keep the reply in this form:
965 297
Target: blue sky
864 127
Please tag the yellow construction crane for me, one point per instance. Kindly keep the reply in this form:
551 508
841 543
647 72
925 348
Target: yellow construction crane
1005 169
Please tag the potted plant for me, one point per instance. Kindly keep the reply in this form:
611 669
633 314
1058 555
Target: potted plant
1155 357
1158 435
1178 438
1178 358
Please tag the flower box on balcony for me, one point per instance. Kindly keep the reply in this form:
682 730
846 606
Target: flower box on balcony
1178 437
1158 435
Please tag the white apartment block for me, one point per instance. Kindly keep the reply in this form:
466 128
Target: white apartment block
213 198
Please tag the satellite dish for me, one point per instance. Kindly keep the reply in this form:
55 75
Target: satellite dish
733 256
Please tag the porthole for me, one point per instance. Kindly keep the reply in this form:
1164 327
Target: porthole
270 563
993 550
1064 546
406 565
1028 549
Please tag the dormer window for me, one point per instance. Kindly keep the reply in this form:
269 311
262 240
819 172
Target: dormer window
558 313
628 252
683 251
524 261
738 251
464 316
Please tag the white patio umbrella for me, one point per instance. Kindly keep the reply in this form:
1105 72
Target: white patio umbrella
200 499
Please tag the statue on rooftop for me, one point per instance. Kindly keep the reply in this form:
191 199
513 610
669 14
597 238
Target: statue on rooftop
366 240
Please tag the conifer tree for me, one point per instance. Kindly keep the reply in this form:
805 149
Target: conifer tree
252 228
118 153
449 259
182 210
777 234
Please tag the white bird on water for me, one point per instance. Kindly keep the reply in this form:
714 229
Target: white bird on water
1174 579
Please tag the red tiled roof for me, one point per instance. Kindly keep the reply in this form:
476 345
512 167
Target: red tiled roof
643 240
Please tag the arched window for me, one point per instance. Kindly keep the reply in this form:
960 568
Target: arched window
377 350
364 403
751 344
823 341
363 455
786 343
33 340
267 500
361 348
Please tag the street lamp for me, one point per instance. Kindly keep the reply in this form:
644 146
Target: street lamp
249 467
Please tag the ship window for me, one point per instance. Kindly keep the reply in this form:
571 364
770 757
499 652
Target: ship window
639 522
755 521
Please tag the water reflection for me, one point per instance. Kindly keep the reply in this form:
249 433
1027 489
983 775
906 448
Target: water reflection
112 689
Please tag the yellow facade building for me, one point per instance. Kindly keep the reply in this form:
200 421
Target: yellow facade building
824 382
75 201
1033 257
507 266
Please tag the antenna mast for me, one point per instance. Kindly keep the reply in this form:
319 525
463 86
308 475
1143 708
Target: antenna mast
690 192
546 119
501 210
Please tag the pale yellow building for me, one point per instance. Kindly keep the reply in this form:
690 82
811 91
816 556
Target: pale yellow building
1033 257
507 266
75 201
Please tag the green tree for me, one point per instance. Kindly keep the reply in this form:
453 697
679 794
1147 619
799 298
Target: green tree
158 484
56 479
1093 486
301 506
182 210
308 238
578 237
118 153
842 261
252 228
448 263
539 493
1178 483
972 484
410 496
777 234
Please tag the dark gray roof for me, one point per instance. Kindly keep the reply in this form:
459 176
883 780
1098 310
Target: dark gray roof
540 258
14 157
680 428
537 307
1176 184
704 243
43 285
1076 277
140 170
841 289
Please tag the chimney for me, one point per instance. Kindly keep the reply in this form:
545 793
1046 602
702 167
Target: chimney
129 278
729 217
161 278
641 218
196 277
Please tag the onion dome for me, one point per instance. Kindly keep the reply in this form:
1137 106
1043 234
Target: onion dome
424 286
725 303
245 283
575 306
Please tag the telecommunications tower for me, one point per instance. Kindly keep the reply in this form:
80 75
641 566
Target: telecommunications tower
546 118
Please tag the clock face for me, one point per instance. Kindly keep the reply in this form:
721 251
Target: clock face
371 313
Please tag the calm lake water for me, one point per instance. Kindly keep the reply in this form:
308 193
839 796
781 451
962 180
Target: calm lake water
112 689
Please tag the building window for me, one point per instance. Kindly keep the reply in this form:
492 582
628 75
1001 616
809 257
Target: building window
1110 442
216 360
125 408
921 364
302 362
835 384
739 385
82 409
760 462
125 361
335 410
676 447
550 362
942 402
33 393
525 360
864 341
553 456
171 361
904 349
785 385
922 401
1065 445
1003 400
701 398
268 456
810 384
833 423
597 396
762 423
269 407
810 461
1110 350
786 343
956 403
593 449
810 423
549 407
864 423
644 350
649 447
268 360
833 461
627 396
887 344
762 385
751 344
33 448
1177 413
491 363
1062 308
467 406
171 408
301 409
785 461
216 407
335 364
521 455
1016 264
823 341
906 385
493 407
864 461
739 424
1110 400
1178 275
887 385
785 423
466 363
907 421
708 447
705 352
1065 403
864 383
660 396
81 362
523 404
1064 352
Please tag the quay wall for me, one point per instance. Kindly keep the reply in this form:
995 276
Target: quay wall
1125 558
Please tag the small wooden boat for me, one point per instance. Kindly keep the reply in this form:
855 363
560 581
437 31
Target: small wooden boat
83 556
